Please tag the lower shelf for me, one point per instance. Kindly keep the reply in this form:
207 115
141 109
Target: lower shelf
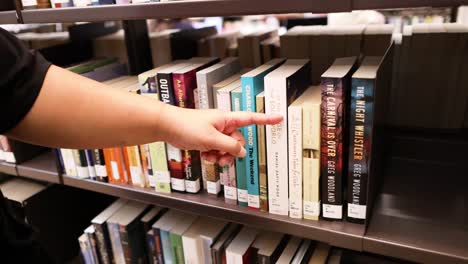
340 234
8 168
8 17
42 167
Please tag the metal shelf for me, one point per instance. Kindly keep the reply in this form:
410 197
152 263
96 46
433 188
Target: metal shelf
8 17
8 168
341 234
421 213
182 9
42 167
393 4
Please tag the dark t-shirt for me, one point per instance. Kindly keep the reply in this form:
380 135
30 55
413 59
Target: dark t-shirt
21 76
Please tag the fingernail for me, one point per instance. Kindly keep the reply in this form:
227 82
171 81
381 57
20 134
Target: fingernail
243 152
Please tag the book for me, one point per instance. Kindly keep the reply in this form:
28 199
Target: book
69 162
320 254
102 234
241 172
290 250
90 234
100 165
132 236
303 133
253 84
304 252
282 87
90 163
311 120
240 250
335 88
369 104
151 249
147 222
115 167
134 167
262 159
270 48
184 83
206 78
81 163
176 234
228 172
269 246
85 250
198 239
161 229
218 249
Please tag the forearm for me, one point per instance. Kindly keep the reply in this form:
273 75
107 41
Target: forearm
75 112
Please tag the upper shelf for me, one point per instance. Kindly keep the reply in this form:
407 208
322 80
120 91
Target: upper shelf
8 17
207 8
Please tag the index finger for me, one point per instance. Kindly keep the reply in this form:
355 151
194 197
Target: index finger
241 119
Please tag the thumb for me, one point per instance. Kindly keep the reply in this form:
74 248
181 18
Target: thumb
228 144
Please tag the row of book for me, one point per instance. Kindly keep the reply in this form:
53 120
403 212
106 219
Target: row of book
133 232
35 4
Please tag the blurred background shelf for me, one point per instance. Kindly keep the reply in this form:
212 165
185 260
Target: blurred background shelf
8 168
341 234
42 167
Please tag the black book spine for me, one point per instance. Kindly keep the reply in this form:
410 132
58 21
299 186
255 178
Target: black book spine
164 87
103 244
100 165
158 246
90 163
361 127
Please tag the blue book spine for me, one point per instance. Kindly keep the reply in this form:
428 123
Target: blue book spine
251 86
166 245
241 178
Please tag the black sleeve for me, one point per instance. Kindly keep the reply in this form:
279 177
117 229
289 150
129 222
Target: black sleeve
21 76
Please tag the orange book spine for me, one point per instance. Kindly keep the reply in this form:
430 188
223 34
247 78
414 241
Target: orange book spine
107 159
119 165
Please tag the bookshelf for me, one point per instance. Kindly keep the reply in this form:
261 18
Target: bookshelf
416 216
42 167
341 234
8 17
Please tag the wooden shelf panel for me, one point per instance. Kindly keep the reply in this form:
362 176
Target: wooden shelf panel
8 168
339 234
42 167
421 214
8 17
393 4
183 9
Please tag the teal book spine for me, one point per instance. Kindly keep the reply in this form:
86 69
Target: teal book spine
166 246
251 86
241 177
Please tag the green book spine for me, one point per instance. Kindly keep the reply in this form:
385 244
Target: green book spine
177 248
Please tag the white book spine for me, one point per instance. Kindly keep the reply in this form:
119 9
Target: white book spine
192 250
295 161
68 162
277 142
204 101
233 258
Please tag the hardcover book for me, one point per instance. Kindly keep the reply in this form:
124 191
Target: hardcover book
335 88
253 84
184 83
175 236
240 250
218 249
269 246
228 172
290 251
369 104
282 87
161 229
241 173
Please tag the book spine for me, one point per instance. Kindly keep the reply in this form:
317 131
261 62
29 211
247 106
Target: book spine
262 164
94 250
134 165
228 172
277 157
103 243
177 248
183 89
191 251
117 165
90 161
249 91
166 245
295 161
100 165
162 176
174 155
241 177
212 171
85 252
360 148
126 247
81 164
69 162
151 249
311 161
333 103
117 249
205 97
144 165
158 246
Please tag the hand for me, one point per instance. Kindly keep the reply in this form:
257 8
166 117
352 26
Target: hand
212 132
